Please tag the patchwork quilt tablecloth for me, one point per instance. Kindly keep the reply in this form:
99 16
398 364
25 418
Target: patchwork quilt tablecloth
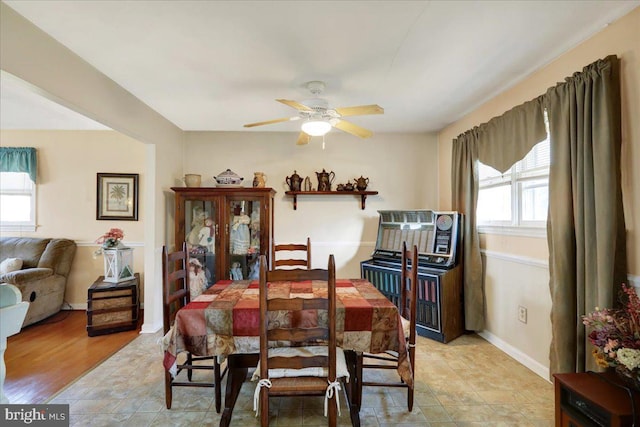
225 319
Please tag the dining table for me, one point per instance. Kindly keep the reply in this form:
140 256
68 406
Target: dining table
223 321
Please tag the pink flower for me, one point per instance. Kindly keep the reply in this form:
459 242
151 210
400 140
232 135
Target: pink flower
110 239
610 346
114 234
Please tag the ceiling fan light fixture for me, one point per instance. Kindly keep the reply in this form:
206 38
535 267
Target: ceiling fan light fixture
316 127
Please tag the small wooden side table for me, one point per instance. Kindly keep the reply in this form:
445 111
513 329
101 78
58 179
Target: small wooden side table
594 399
113 307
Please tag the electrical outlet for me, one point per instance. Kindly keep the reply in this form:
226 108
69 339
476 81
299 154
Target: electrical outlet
522 314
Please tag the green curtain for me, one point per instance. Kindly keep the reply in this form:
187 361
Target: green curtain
499 143
585 225
464 182
19 159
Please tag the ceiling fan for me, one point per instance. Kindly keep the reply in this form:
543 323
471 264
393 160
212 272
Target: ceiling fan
319 118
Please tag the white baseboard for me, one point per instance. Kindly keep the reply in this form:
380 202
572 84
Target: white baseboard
521 357
81 306
150 329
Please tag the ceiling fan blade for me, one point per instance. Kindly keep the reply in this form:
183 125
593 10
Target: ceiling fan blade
294 104
303 139
360 110
270 122
353 129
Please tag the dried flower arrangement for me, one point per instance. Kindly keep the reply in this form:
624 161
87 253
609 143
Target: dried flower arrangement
616 335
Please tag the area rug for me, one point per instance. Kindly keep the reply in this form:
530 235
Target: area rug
467 381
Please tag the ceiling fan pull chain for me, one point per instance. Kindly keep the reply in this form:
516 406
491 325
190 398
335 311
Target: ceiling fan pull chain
323 142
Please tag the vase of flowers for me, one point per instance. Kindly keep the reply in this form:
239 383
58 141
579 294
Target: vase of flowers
615 333
110 240
118 259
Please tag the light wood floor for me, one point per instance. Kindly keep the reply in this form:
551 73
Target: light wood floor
47 356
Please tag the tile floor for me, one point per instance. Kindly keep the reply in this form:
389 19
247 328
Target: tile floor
467 382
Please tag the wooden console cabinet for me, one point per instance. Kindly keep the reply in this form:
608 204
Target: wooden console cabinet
440 313
113 307
594 400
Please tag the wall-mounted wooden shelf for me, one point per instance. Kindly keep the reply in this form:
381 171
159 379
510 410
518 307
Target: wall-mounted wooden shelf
363 195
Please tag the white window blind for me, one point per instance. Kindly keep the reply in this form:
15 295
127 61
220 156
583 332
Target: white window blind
17 202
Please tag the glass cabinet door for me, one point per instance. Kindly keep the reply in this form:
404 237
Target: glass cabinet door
243 249
201 229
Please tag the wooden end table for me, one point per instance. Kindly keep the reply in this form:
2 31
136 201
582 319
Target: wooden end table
113 307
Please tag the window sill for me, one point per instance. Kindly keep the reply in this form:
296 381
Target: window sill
14 228
537 232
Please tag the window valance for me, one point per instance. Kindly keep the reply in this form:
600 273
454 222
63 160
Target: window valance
19 159
505 139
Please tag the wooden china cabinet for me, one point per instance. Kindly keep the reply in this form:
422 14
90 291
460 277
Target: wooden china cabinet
226 230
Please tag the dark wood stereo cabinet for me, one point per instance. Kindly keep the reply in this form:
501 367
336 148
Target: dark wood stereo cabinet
591 399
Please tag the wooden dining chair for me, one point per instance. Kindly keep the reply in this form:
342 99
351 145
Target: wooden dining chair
175 282
298 352
408 312
291 255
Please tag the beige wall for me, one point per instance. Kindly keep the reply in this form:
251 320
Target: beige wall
66 195
506 287
401 167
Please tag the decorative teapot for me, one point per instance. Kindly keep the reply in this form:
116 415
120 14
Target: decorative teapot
325 179
294 181
361 183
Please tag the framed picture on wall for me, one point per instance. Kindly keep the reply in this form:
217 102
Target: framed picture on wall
117 196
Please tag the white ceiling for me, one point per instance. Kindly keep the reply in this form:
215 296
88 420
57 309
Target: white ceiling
216 65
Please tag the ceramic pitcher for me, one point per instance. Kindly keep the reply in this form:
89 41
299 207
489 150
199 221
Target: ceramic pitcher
259 179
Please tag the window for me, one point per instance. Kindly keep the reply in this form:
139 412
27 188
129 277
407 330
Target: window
518 198
17 202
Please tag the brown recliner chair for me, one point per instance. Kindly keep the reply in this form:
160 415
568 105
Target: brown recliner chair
42 280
